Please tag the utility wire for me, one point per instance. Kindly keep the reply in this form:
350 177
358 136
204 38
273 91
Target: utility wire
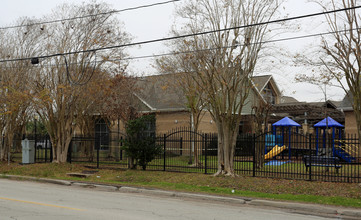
91 15
217 48
184 36
225 47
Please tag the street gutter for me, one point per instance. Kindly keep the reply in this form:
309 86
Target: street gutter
301 208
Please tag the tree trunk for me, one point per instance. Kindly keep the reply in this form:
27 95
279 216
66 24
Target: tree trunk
61 151
227 138
5 149
194 129
61 142
259 154
131 163
7 143
87 130
358 123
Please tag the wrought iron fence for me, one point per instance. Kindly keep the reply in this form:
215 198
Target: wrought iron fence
43 151
289 155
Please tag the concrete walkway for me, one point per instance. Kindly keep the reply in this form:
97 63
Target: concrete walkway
303 208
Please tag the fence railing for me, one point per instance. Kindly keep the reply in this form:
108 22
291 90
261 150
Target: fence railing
303 157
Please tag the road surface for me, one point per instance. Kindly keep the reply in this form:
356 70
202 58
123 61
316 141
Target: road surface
38 201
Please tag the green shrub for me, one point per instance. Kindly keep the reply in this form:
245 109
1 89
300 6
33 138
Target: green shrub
140 144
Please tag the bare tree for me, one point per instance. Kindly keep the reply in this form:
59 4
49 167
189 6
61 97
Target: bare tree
340 54
14 84
221 63
119 102
62 79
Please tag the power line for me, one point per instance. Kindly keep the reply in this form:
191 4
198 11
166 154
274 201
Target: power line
225 47
91 15
185 36
217 48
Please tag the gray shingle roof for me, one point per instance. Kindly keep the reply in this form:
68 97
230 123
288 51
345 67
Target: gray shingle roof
261 81
346 104
288 99
161 92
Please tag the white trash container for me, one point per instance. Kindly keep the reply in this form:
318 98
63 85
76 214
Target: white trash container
28 151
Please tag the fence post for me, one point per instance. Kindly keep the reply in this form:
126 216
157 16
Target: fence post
205 154
51 151
164 151
70 150
181 146
46 148
121 145
309 154
254 154
98 152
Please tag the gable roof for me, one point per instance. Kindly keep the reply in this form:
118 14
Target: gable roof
161 93
261 82
346 103
158 93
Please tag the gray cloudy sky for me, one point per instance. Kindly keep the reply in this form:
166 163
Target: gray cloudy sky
154 22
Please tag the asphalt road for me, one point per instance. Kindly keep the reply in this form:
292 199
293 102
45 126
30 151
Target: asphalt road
37 201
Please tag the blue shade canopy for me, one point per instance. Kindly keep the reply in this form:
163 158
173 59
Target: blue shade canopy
328 122
286 122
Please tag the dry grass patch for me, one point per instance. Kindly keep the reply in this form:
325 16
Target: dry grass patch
319 192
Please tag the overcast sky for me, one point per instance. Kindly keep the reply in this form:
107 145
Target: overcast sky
155 22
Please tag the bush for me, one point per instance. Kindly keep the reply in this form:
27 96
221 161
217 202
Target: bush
140 144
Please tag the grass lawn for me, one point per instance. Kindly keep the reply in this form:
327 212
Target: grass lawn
340 194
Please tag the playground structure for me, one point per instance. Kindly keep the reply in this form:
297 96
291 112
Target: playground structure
277 142
325 144
274 152
349 148
339 148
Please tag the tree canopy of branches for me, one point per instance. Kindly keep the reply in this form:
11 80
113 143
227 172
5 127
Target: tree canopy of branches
221 63
64 90
57 95
14 84
118 102
340 54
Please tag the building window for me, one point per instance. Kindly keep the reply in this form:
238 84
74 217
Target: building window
269 95
149 130
101 135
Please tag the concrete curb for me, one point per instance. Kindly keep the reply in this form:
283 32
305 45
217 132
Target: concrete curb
351 213
44 180
295 206
59 182
182 195
311 208
211 198
319 210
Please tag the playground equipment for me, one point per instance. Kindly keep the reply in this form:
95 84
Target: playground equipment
342 150
274 152
278 140
349 148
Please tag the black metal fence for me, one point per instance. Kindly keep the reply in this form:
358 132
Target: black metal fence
43 152
290 155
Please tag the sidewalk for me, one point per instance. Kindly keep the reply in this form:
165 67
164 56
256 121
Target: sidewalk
303 208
